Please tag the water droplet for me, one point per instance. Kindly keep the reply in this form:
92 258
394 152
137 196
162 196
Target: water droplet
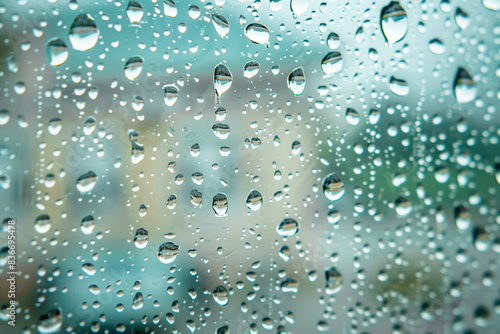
333 40
219 204
223 330
134 11
296 147
289 285
50 322
254 200
137 152
257 33
442 174
492 4
399 86
287 227
333 187
194 12
86 182
133 67
374 116
89 125
464 87
462 18
141 238
480 239
169 8
298 7
221 130
56 52
251 69
403 206
285 253
220 295
83 33
89 269
332 62
334 217
333 281
221 25
352 116
43 223
138 301
436 46
394 22
222 80
87 224
167 252
462 218
196 197
482 316
55 126
297 81
170 93
4 116
171 202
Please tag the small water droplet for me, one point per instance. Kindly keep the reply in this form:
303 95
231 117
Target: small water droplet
43 223
436 46
287 227
196 197
403 206
399 86
221 130
138 301
219 204
289 285
462 218
133 67
332 62
333 187
352 116
89 269
297 81
141 238
223 80
170 93
333 40
87 224
171 202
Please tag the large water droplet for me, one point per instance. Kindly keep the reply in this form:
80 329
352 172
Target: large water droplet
83 33
89 269
170 93
257 33
141 238
333 281
87 224
43 223
50 322
56 52
133 67
298 7
220 295
86 182
287 227
251 69
403 206
492 4
352 116
171 202
137 152
254 200
138 301
332 62
167 252
333 187
289 285
297 81
169 8
394 22
219 204
436 46
221 25
135 11
223 80
221 130
464 87
399 86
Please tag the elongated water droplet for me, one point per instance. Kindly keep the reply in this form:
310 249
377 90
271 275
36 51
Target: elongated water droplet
171 202
254 200
83 33
219 204
56 52
221 130
251 69
399 86
86 182
221 24
220 295
333 187
89 125
223 80
287 227
169 8
137 152
289 285
257 33
138 301
50 322
480 239
87 224
133 67
43 223
333 281
332 62
170 93
464 87
297 81
394 22
167 252
333 40
196 197
135 12
462 19
141 238
4 116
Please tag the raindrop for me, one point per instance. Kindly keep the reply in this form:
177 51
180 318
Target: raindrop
55 126
333 281
4 116
462 18
298 7
482 316
56 52
287 227
223 330
334 217
394 22
194 12
333 40
374 116
221 25
86 182
332 62
289 285
254 200
50 322
251 69
167 252
220 295
171 202
83 33
89 269
222 80
133 67
492 4
87 224
169 8
403 206
297 81
219 204
462 218
138 301
134 11
257 33
221 130
352 116
464 87
137 152
141 238
170 93
43 223
285 253
296 147
196 197
333 187
436 46
480 239
442 174
399 86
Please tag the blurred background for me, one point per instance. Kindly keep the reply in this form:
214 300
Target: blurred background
251 166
